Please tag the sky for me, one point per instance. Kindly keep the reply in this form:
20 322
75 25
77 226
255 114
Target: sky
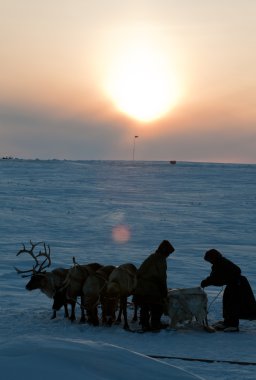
79 79
74 206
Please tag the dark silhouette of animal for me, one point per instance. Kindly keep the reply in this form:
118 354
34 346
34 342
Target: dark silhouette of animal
121 284
48 282
93 292
72 287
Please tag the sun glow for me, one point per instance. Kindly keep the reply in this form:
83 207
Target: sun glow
141 84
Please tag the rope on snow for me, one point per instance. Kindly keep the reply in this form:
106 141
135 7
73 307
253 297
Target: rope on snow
201 360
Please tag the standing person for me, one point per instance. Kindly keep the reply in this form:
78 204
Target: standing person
151 289
238 299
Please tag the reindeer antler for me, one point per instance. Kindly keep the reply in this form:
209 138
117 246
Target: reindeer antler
30 251
47 258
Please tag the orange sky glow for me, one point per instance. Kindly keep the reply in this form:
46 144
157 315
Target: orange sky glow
80 79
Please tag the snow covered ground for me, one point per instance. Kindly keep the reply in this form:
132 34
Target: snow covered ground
114 212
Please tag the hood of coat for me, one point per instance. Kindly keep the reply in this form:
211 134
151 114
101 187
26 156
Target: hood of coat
212 256
165 248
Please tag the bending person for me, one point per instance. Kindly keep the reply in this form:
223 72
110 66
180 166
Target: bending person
238 299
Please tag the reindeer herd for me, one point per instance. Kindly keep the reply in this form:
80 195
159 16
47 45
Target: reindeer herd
94 286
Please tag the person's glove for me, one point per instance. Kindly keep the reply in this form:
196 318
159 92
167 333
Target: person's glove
203 284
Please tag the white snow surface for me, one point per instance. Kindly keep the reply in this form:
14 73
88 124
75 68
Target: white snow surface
74 206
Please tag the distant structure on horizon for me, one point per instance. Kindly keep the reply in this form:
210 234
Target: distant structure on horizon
7 158
133 151
173 162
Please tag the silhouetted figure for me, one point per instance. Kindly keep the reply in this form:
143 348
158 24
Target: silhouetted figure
238 298
152 289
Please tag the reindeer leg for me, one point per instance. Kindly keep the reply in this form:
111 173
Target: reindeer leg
82 319
119 317
124 307
54 311
54 314
135 315
73 315
103 313
66 315
95 318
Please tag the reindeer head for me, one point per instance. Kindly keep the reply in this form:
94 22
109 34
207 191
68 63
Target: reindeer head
37 272
110 302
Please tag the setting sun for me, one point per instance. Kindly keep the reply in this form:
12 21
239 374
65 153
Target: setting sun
141 84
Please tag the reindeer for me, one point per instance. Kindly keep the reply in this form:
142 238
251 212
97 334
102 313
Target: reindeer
48 282
185 304
72 287
93 291
121 284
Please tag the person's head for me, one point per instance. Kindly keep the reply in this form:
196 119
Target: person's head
165 248
212 255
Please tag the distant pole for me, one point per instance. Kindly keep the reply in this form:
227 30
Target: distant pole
133 151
